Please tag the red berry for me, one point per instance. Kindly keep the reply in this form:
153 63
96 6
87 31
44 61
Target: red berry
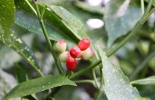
75 52
71 63
60 46
63 56
84 44
87 54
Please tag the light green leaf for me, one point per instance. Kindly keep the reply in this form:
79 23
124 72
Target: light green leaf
145 81
120 17
38 85
14 42
91 9
70 21
20 73
117 85
7 9
57 25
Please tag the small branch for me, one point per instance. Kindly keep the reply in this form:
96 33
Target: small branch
142 65
85 70
85 81
31 7
125 40
95 79
147 16
148 8
142 7
40 17
99 94
34 66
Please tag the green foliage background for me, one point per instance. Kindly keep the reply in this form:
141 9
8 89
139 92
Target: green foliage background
130 70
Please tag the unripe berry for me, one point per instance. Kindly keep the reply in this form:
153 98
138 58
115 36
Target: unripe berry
71 63
87 54
84 44
60 46
75 52
63 56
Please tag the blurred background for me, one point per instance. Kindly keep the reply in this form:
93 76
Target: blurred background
92 15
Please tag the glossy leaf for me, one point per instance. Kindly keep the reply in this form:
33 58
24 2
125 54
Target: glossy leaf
55 23
38 85
120 17
7 9
145 81
116 84
68 20
14 42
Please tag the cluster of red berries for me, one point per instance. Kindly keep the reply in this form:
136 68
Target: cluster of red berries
82 51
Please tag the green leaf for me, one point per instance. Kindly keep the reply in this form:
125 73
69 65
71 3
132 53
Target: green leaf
7 9
20 73
145 81
70 21
117 85
32 24
57 25
14 42
120 17
91 9
38 85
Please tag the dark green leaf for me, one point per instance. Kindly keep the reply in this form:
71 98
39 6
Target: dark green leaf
20 73
145 81
116 83
70 21
7 9
14 42
57 25
120 17
38 85
33 25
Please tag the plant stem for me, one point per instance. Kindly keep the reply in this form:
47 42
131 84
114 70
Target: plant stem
99 94
148 8
47 39
85 70
56 90
134 31
137 27
125 40
85 81
31 7
142 7
101 78
142 65
95 79
148 15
